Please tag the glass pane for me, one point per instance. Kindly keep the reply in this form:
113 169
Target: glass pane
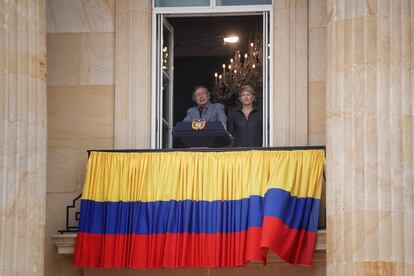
242 2
181 3
166 98
166 74
165 51
166 136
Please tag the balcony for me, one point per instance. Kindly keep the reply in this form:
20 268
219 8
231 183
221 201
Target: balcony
66 240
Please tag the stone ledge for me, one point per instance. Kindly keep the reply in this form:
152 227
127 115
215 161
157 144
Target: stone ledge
65 244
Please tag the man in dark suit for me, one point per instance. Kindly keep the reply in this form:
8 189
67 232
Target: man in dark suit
204 109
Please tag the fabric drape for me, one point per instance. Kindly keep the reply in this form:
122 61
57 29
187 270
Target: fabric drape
198 209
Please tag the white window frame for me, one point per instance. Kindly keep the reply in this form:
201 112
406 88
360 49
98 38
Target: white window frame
213 10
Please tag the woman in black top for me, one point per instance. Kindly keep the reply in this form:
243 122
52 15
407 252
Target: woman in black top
245 124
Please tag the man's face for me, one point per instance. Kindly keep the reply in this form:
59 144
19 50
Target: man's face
201 97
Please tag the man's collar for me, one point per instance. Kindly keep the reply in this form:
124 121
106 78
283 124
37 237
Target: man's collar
206 106
253 110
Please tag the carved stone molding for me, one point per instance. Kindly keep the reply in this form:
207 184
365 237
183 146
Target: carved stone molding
132 74
290 73
22 137
370 134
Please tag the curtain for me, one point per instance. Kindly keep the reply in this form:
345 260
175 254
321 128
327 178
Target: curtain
198 209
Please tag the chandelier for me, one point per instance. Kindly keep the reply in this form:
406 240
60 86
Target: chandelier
241 70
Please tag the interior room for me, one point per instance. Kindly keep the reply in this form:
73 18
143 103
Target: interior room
200 52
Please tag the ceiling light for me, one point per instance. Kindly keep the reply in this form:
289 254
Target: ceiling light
231 39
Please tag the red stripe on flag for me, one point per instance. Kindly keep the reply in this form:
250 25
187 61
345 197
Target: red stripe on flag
168 250
293 245
195 250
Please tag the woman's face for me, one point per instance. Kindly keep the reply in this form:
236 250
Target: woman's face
246 98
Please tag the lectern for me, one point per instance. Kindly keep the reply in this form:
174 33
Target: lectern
211 135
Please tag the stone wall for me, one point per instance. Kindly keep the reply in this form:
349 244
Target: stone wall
370 134
317 20
22 137
80 103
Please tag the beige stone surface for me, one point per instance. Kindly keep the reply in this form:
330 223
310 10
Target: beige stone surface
59 265
69 159
81 55
252 269
79 99
272 269
97 59
317 269
64 59
81 59
317 140
317 54
317 107
133 74
65 243
80 118
22 137
317 20
56 206
370 100
290 73
76 16
56 209
317 13
77 112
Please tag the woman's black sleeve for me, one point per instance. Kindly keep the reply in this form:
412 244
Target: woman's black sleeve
230 124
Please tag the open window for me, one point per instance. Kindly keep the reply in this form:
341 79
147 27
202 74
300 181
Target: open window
190 51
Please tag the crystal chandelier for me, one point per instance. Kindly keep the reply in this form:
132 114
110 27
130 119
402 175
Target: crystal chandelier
241 70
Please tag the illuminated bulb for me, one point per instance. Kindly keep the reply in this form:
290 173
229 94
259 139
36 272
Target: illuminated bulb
229 66
215 75
231 60
235 71
224 66
254 66
231 39
251 44
245 55
219 76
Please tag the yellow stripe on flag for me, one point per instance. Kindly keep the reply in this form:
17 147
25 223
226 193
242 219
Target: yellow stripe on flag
153 176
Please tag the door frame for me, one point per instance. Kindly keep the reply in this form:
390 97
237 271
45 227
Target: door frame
214 11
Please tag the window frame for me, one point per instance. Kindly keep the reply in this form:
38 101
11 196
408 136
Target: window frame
213 10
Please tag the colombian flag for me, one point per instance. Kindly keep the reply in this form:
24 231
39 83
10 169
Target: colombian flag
198 209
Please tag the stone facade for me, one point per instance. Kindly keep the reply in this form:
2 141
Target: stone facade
370 101
133 74
80 103
22 137
357 53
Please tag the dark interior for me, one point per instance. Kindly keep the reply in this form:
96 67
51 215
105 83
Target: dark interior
198 53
